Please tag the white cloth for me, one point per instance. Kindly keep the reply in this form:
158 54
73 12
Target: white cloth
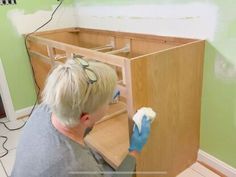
150 114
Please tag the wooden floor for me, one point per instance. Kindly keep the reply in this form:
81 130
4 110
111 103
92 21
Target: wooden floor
198 170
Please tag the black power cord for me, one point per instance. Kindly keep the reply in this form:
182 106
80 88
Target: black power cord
3 146
5 137
38 91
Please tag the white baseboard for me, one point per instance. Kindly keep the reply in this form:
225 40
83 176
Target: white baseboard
217 164
24 112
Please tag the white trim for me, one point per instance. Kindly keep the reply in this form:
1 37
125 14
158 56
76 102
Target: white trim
217 164
24 112
5 94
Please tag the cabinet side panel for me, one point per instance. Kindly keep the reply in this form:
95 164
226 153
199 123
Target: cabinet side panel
187 125
154 83
170 82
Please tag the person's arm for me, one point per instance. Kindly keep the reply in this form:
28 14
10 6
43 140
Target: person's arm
127 167
138 140
134 154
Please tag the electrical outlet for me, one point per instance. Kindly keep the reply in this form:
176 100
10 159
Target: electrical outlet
7 2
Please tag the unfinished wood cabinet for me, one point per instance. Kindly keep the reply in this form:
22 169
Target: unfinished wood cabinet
164 73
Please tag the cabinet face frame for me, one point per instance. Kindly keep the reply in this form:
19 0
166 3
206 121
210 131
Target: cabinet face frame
174 57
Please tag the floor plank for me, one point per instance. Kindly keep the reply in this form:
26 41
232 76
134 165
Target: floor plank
203 170
189 173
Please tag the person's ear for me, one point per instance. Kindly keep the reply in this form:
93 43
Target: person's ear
85 119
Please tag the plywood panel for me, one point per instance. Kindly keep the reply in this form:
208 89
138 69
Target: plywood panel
170 82
144 37
110 139
91 40
41 70
114 110
37 47
149 87
63 36
140 47
190 90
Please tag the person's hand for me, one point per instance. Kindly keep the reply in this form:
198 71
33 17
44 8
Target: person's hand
138 140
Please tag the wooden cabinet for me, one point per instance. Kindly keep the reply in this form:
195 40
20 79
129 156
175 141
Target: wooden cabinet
164 73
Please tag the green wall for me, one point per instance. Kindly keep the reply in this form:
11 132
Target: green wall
218 118
13 53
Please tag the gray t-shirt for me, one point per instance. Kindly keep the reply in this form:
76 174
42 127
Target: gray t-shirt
45 152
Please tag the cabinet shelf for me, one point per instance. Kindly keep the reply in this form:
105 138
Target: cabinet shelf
110 139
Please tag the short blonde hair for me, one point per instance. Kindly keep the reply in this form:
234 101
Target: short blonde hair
66 87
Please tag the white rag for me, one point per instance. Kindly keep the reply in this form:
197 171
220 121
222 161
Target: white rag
150 114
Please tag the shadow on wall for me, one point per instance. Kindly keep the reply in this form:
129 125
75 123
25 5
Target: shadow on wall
2 111
218 117
224 69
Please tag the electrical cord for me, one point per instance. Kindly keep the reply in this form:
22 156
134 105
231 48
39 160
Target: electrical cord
33 72
25 41
26 37
3 146
5 137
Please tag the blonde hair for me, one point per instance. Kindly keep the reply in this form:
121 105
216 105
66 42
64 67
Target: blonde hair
66 88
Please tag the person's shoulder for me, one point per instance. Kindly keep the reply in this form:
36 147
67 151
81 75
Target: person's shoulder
40 115
41 109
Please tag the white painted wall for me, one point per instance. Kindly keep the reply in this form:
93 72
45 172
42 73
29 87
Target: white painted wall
193 20
26 23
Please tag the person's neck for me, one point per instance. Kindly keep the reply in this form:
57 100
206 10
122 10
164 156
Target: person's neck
75 133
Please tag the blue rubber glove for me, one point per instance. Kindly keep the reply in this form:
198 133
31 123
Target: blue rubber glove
139 140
